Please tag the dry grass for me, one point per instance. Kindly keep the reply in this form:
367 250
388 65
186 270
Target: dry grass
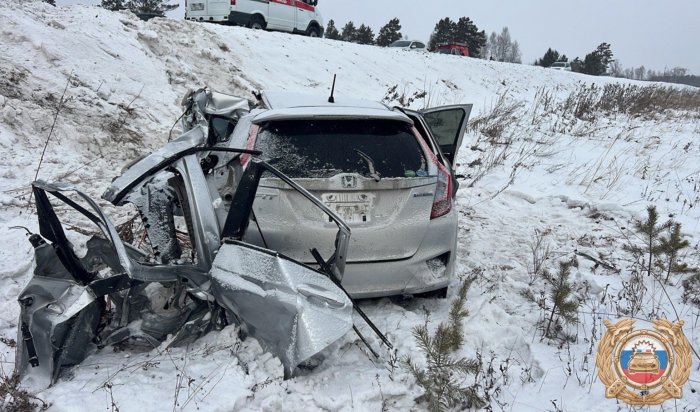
589 102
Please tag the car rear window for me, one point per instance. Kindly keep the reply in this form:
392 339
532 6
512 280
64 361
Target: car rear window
325 148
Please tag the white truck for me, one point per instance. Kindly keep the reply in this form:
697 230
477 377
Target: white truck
293 16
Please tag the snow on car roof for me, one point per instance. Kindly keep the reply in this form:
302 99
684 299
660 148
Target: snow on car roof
284 100
288 106
330 112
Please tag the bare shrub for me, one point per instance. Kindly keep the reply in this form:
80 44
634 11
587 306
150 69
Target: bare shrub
588 101
403 98
540 252
502 116
15 399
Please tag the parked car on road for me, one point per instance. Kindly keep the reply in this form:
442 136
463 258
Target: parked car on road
294 16
388 172
565 66
460 49
408 45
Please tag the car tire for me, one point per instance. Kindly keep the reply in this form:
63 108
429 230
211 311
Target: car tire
313 31
257 23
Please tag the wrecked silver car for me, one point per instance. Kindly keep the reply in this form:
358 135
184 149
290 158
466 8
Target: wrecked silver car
188 271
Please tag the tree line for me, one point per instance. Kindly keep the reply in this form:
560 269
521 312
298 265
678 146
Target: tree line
594 63
498 46
139 6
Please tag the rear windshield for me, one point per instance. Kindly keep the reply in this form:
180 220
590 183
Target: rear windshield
325 148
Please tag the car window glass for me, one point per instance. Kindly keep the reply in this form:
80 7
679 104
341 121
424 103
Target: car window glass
220 129
319 149
400 43
445 124
420 45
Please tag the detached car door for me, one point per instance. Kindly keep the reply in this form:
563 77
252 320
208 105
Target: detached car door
447 124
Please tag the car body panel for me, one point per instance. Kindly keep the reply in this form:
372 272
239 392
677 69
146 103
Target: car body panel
64 309
448 125
408 45
393 234
329 113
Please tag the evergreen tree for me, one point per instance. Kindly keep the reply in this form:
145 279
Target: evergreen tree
577 65
331 31
550 57
390 33
596 62
649 231
671 248
364 35
443 33
114 5
564 307
445 372
349 32
51 2
465 31
150 6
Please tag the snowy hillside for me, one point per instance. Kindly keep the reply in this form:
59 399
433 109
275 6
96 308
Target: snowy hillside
551 172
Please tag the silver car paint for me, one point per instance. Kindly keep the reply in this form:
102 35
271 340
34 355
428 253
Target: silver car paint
59 316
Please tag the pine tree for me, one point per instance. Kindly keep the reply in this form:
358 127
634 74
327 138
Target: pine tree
114 5
331 31
150 6
550 57
465 31
51 2
364 35
444 374
349 32
443 33
390 33
596 62
671 247
649 231
563 305
577 65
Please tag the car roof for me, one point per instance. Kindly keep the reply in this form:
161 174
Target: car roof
284 105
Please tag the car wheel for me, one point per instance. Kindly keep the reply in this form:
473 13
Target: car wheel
257 23
313 32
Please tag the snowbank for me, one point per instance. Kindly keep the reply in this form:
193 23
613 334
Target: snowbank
578 182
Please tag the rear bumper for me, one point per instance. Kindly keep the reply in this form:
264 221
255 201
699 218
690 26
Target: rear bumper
420 273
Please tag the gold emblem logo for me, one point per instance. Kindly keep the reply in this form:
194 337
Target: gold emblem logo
644 367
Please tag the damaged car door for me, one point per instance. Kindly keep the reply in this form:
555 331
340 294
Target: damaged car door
73 305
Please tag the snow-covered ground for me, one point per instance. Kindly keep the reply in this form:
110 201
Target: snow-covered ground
532 168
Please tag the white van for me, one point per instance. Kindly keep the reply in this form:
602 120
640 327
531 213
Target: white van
294 16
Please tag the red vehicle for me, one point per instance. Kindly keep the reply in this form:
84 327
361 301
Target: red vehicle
460 49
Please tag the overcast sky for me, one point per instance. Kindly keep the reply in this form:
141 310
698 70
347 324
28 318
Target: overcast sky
655 34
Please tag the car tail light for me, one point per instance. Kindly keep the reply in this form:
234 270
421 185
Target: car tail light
442 202
233 2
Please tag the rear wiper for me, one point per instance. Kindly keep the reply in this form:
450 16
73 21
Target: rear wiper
370 163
